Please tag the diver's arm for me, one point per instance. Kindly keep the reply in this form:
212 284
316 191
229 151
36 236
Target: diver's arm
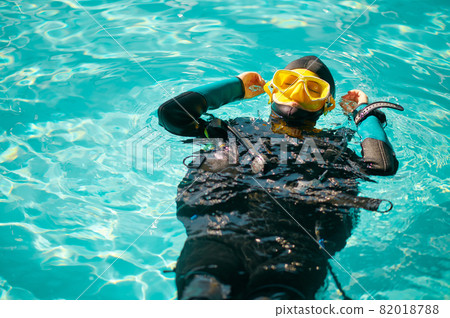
181 114
377 151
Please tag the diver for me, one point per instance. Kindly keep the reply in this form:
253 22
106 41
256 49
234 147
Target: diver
268 203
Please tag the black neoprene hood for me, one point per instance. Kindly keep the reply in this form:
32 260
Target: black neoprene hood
314 64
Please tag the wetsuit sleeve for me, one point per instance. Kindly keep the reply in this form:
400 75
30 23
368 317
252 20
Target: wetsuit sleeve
377 151
181 114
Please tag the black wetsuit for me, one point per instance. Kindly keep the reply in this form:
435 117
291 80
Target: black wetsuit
270 231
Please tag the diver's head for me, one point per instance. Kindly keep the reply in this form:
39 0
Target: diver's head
302 92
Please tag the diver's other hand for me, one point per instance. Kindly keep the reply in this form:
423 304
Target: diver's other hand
357 97
253 83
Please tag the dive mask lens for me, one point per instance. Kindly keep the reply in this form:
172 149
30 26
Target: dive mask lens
284 79
314 87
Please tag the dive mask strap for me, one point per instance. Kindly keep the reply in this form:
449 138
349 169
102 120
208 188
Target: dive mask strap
267 87
330 104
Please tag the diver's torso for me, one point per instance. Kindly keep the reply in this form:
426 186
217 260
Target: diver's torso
304 179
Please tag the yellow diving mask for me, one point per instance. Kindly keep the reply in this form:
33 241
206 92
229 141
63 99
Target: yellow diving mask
300 88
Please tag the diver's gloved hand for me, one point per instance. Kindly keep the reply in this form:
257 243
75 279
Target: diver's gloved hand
253 84
353 99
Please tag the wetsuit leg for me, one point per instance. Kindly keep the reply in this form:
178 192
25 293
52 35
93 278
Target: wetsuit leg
209 269
288 276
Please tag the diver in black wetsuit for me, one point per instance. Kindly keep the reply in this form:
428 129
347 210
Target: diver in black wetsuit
266 208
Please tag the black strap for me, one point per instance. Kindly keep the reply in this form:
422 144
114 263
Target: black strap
338 284
371 110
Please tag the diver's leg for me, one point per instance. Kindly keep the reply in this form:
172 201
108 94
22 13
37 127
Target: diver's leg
275 292
288 277
208 269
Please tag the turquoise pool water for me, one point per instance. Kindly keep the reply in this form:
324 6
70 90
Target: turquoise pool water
70 99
